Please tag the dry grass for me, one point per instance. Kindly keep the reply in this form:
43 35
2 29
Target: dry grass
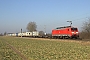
51 49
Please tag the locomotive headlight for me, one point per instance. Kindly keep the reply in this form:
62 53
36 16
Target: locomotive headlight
72 32
77 32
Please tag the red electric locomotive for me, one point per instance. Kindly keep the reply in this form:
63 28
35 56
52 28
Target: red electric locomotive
65 32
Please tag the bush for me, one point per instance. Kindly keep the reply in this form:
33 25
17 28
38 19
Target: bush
84 35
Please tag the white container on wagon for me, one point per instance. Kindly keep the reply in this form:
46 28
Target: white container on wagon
28 33
35 33
21 34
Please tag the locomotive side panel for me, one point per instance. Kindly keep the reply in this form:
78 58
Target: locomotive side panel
60 32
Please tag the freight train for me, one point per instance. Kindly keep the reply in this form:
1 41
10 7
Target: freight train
60 32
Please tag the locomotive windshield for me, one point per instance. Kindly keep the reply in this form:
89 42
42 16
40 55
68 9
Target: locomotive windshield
74 29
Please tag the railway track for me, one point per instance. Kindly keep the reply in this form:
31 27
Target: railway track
53 38
80 41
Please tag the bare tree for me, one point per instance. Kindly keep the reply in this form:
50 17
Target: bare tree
1 34
85 30
86 26
31 26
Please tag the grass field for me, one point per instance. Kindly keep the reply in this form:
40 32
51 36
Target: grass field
35 49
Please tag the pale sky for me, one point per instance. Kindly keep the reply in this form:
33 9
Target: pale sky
16 14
